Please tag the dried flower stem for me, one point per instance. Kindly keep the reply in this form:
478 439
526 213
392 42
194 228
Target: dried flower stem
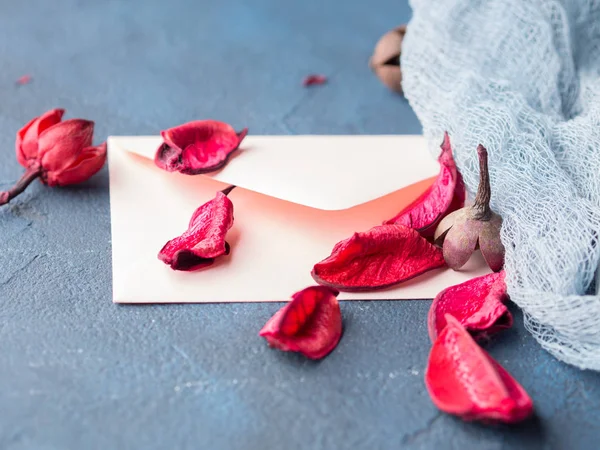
481 205
29 175
227 190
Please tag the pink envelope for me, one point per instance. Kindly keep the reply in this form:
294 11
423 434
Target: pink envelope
296 197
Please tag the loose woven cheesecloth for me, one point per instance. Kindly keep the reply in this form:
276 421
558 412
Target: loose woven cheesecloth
522 77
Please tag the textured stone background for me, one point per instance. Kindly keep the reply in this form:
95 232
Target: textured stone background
77 372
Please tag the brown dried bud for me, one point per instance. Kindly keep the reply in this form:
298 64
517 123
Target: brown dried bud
385 61
462 231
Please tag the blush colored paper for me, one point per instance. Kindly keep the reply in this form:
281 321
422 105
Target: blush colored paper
296 197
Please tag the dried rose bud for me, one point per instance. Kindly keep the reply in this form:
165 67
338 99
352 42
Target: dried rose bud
478 304
198 147
446 194
477 225
310 324
381 257
204 240
385 61
462 379
58 153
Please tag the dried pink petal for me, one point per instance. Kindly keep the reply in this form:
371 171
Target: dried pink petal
383 256
462 379
478 304
198 147
313 80
204 240
310 324
446 194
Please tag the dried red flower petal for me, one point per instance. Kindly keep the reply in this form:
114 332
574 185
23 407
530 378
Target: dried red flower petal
313 80
204 240
478 304
59 153
23 80
381 257
462 379
446 194
198 147
311 323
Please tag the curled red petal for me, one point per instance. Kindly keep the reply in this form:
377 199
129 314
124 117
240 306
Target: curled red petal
311 323
62 144
478 304
313 80
198 147
462 379
445 195
87 164
204 241
383 256
27 137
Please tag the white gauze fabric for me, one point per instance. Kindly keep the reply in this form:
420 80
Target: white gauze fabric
522 77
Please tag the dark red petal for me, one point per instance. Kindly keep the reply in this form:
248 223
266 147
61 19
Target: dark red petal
445 195
312 80
381 257
61 145
197 147
27 137
462 379
311 323
87 164
204 241
478 304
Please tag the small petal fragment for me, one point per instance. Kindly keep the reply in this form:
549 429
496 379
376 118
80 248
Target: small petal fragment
478 304
462 379
311 323
198 147
204 241
383 256
314 80
446 194
23 80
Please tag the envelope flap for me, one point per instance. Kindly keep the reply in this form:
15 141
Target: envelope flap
323 172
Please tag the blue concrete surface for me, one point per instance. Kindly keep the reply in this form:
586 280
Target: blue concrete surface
77 372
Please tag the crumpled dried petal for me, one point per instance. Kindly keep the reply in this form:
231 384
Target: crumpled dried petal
383 256
478 304
446 194
462 379
461 232
314 80
311 323
204 241
198 147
